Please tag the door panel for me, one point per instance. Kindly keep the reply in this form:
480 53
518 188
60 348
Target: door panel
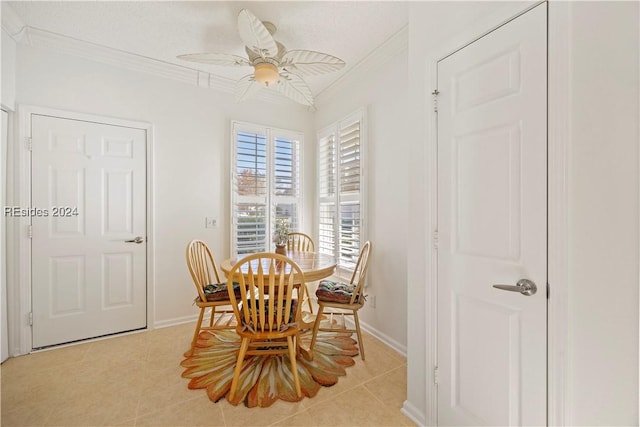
90 179
492 227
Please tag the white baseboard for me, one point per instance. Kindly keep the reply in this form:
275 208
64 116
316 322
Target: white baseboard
174 322
413 413
395 345
400 348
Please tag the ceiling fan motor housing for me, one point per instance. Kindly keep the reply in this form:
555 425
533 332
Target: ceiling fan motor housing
266 71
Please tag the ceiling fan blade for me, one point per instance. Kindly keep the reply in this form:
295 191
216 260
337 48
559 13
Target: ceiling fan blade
215 59
255 35
246 87
292 86
308 62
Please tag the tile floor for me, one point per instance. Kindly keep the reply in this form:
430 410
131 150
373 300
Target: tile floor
134 380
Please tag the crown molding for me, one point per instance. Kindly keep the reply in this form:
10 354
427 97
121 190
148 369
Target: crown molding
394 46
11 22
36 37
94 52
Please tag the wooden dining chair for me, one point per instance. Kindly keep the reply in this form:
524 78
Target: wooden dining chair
297 241
301 242
265 310
212 292
343 299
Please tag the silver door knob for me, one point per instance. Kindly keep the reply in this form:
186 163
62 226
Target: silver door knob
137 240
524 286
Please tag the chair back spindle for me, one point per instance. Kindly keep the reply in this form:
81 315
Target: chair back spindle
360 273
297 241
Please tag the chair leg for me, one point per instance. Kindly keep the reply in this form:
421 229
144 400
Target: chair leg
294 365
306 290
197 332
316 325
236 373
213 315
360 342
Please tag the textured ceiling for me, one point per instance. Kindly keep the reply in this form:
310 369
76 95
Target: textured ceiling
163 30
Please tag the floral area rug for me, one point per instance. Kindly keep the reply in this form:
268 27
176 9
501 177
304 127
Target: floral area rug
265 379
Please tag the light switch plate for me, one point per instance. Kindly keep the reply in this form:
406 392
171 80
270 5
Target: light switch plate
211 222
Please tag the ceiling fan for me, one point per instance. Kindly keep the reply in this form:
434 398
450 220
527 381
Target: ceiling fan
273 66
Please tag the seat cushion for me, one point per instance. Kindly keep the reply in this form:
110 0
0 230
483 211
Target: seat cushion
218 291
287 322
331 291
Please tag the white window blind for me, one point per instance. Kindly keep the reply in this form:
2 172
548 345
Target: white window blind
287 181
340 189
327 194
265 185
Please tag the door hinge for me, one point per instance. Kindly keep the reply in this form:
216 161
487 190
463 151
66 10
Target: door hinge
548 290
30 231
435 375
31 318
435 94
435 239
29 143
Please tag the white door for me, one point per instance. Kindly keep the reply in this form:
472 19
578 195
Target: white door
89 183
492 227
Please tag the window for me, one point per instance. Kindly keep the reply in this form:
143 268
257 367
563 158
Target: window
341 190
265 184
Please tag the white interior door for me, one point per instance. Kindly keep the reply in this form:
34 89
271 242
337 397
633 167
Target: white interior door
492 210
87 280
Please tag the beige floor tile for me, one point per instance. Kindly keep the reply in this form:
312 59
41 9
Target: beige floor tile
163 387
357 407
126 423
31 400
302 419
34 416
242 416
357 375
390 388
136 380
376 349
199 411
47 359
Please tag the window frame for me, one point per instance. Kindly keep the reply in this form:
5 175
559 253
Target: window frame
270 199
334 130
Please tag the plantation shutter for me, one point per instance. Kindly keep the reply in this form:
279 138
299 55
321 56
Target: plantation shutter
287 181
327 194
349 195
266 185
340 188
250 188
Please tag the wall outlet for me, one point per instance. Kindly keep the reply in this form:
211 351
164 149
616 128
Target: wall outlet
211 222
373 301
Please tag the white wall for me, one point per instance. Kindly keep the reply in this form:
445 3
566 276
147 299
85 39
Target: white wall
380 86
8 88
603 214
191 148
7 100
602 382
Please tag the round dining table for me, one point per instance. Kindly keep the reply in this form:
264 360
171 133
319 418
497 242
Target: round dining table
314 265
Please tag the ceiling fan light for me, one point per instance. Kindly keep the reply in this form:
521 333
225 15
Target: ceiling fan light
266 73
